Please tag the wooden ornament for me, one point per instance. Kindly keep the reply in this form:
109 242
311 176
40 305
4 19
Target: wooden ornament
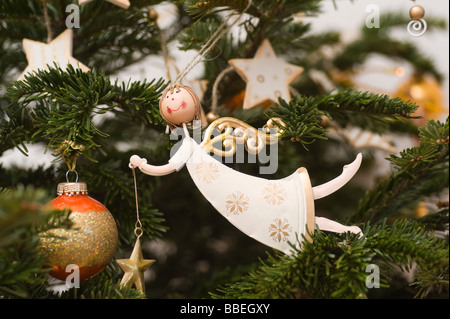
179 104
59 50
267 76
417 12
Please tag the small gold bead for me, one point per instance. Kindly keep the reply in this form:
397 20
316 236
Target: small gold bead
211 116
416 12
152 14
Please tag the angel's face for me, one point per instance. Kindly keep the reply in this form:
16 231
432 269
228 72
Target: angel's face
178 106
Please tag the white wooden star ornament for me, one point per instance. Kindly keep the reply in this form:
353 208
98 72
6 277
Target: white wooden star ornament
125 4
59 50
134 268
267 76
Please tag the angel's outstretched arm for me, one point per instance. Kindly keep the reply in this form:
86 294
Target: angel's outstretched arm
141 163
335 184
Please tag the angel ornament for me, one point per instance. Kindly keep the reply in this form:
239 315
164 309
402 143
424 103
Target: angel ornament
277 213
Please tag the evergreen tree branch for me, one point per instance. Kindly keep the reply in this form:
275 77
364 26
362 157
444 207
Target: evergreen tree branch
437 221
22 218
101 287
335 266
369 103
302 116
418 169
431 281
300 121
260 9
65 102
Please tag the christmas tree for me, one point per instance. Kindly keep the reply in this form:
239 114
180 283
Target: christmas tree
60 94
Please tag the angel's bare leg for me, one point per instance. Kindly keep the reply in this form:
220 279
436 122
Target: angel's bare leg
329 225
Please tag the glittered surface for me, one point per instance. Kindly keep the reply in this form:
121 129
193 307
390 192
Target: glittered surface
134 268
90 243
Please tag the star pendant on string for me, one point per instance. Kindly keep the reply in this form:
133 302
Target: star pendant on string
267 76
59 51
134 268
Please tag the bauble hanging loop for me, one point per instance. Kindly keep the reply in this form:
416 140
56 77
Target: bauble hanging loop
72 171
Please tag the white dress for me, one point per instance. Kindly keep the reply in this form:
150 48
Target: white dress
277 213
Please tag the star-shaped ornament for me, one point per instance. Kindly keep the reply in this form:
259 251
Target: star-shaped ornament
267 76
134 268
125 4
58 51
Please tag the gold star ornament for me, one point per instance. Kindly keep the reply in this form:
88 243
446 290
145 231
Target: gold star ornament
267 76
120 3
59 50
134 268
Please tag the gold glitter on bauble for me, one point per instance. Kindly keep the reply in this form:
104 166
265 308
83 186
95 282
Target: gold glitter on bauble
90 243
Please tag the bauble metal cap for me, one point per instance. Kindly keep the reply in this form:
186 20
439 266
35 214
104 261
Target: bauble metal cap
70 189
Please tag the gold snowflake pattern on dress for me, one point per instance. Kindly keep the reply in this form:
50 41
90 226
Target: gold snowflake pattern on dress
233 131
207 172
280 229
274 193
237 203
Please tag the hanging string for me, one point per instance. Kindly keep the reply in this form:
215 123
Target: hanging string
138 231
221 30
215 88
165 53
47 22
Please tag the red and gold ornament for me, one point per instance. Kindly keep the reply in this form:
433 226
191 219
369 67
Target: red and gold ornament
89 244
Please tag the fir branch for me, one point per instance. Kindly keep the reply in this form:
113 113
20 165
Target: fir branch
101 287
431 281
405 242
199 9
21 211
302 116
261 9
101 41
374 112
13 133
22 218
369 103
436 221
300 120
65 103
335 266
419 171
